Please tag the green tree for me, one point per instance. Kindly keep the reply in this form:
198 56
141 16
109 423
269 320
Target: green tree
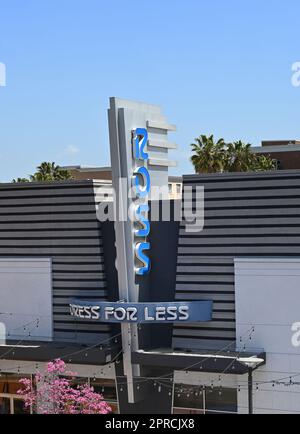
239 157
47 172
263 162
209 156
20 180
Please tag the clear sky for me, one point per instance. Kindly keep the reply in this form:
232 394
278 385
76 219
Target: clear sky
216 66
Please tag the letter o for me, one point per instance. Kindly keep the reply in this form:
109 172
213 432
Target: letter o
122 311
141 190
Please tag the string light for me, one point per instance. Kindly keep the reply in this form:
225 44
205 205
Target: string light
201 367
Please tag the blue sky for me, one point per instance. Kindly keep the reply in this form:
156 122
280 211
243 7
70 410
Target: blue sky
221 67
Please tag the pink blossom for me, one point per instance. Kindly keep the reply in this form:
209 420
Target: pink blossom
53 394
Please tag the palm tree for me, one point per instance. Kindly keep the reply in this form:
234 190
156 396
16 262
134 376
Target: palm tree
209 156
239 157
50 172
20 180
47 172
264 162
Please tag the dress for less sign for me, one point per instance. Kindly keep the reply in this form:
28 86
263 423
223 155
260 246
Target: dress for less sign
135 313
142 312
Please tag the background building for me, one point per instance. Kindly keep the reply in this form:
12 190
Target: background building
286 152
104 173
82 172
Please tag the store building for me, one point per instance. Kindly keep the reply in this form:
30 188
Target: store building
211 326
104 173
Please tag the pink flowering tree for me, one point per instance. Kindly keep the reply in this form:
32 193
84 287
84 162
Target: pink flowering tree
52 393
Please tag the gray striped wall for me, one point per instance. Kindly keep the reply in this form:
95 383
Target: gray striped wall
58 220
254 214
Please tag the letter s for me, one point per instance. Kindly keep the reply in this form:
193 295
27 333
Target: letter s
140 255
142 219
95 312
184 313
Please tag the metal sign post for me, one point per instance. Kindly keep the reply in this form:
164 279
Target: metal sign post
125 118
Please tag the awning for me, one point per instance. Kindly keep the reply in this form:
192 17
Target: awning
227 362
70 352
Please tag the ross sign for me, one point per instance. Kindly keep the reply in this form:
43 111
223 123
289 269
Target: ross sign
139 148
169 312
141 187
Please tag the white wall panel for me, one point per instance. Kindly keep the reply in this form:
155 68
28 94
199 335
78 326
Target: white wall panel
26 298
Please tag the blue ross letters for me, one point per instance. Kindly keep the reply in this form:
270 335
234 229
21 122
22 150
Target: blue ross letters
142 186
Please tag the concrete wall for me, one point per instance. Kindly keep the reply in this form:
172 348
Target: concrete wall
267 297
26 298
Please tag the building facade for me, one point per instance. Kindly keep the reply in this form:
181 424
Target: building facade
159 314
285 152
104 173
246 259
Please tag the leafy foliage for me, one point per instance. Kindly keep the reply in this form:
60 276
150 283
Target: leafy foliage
210 156
47 172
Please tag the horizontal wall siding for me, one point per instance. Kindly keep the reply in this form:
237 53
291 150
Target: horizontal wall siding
245 215
58 220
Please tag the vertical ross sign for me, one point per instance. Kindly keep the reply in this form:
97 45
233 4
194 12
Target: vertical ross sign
141 184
